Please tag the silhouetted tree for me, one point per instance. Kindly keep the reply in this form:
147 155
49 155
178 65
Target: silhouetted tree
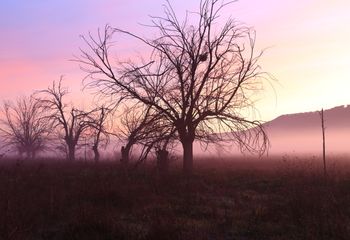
23 126
137 128
162 149
69 122
199 75
99 133
148 131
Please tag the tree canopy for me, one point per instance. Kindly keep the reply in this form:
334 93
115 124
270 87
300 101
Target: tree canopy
200 75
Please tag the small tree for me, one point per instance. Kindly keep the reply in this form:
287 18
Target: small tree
98 131
201 77
136 127
162 149
144 128
69 122
23 127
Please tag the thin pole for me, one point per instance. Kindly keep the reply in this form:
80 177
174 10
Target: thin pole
323 145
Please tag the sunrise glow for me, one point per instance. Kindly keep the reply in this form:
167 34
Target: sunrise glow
306 45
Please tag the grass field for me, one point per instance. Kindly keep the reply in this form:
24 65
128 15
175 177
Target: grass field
277 198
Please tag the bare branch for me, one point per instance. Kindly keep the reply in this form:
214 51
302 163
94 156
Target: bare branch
199 77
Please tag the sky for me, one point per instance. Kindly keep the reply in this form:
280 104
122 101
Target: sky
305 43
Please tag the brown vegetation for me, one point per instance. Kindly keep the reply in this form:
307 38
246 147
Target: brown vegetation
248 199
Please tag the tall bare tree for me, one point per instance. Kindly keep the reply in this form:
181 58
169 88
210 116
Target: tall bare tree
23 126
69 122
200 74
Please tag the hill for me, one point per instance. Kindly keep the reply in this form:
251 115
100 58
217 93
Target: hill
335 118
301 132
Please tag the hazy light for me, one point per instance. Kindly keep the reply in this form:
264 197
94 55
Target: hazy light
307 45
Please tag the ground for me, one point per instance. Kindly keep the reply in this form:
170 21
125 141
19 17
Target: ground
279 198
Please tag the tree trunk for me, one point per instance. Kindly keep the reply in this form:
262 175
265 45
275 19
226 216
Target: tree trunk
187 157
163 161
125 151
32 154
96 153
71 153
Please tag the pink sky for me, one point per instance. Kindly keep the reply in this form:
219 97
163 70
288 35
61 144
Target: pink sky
307 45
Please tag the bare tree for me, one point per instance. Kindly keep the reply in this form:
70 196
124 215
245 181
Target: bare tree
200 76
148 131
23 127
69 122
99 133
164 143
136 127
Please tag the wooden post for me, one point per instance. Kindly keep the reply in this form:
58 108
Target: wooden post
323 144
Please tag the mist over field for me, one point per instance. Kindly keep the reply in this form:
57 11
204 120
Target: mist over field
298 134
302 133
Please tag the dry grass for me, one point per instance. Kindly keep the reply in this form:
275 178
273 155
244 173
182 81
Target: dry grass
225 199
